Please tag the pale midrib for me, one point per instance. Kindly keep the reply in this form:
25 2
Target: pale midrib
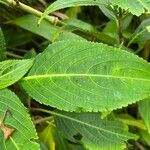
81 75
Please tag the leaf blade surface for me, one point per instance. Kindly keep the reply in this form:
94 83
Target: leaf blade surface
81 75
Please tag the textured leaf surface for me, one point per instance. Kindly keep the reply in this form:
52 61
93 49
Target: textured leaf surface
136 7
18 119
13 70
60 4
81 75
92 132
144 111
2 46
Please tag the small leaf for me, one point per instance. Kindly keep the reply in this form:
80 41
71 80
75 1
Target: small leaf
144 111
141 34
93 132
13 70
85 76
18 120
47 136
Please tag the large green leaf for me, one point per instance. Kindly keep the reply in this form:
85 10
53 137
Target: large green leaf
2 46
13 70
144 111
93 132
16 118
81 75
60 4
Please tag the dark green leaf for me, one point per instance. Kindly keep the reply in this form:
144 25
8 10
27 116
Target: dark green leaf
93 132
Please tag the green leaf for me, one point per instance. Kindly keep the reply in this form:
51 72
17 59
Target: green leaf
14 40
45 29
16 118
136 7
93 132
13 70
141 34
85 76
76 24
60 4
144 111
2 46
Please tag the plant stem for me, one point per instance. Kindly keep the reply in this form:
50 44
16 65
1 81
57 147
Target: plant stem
136 123
16 3
38 121
120 26
46 111
139 146
56 114
14 55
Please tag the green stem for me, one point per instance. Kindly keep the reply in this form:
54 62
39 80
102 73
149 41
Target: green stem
14 55
120 26
16 3
48 112
38 121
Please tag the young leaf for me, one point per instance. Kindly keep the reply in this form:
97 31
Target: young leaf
13 115
93 132
60 4
47 136
2 46
85 76
144 111
13 70
141 34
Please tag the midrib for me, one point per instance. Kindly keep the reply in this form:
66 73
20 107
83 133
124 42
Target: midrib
82 75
